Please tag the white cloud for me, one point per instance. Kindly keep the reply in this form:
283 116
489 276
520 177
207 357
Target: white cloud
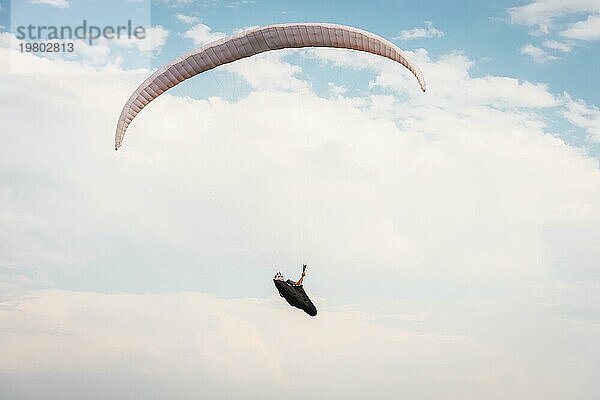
238 3
556 45
155 39
450 77
53 3
583 116
103 55
538 55
269 72
187 19
336 90
103 345
20 244
438 210
99 57
98 54
550 16
543 12
584 30
246 28
202 34
501 107
419 33
184 3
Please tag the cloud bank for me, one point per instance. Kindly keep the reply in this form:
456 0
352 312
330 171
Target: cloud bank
452 235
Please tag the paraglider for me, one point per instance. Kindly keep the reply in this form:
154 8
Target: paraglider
246 44
293 292
249 43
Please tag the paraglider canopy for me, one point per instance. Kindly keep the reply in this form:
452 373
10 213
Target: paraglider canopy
252 42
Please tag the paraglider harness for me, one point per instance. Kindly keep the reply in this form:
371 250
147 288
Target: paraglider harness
294 293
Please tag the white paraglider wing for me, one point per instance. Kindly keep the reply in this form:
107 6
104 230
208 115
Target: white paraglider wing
249 43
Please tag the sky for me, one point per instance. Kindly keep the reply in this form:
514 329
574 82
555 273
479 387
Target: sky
452 236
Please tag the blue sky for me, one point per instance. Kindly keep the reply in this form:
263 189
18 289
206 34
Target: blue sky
452 236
